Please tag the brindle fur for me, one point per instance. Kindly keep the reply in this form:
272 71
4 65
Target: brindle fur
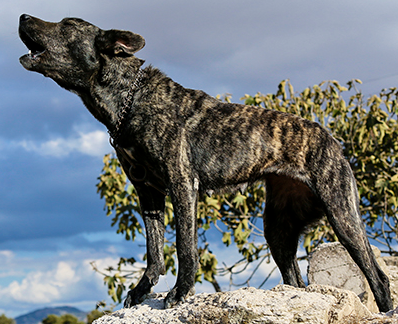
189 143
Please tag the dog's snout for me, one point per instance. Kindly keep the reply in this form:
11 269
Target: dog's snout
24 17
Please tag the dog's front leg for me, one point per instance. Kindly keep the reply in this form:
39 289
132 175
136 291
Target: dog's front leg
184 197
152 210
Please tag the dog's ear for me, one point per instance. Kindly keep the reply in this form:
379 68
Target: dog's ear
120 42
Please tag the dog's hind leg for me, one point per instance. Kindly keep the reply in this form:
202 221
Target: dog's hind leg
152 204
342 209
282 239
354 239
289 208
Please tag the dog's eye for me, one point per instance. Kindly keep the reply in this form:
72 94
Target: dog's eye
68 23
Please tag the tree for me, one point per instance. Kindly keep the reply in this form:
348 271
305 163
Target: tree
63 319
6 320
51 319
93 315
368 132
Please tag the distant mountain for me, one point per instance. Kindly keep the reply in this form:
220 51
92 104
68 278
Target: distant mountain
37 316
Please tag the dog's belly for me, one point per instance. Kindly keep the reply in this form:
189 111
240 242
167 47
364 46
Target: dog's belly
228 174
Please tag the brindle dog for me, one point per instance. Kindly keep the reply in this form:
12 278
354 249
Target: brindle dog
185 143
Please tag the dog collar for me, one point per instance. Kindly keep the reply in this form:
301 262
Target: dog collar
121 115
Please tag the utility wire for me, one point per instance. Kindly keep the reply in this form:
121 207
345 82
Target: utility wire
380 78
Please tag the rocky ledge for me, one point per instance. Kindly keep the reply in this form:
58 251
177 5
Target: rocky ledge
280 305
338 293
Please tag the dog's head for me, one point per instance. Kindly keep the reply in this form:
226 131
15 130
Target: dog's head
70 51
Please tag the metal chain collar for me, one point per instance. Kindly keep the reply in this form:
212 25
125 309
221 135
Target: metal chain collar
115 134
121 115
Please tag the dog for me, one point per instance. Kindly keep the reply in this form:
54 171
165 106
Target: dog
185 143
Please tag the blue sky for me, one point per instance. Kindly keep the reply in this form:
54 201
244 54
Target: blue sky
52 223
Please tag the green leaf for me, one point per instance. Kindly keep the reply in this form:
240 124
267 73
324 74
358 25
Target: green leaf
226 239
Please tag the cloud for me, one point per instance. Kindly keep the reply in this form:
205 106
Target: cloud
94 143
33 289
60 273
63 282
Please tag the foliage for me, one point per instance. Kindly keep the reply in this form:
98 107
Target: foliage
6 320
51 319
368 132
63 319
71 319
93 315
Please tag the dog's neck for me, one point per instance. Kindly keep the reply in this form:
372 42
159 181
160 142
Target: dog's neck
112 96
122 114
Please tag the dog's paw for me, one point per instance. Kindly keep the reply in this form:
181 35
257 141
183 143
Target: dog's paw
135 297
175 297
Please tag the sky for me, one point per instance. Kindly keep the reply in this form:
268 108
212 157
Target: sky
52 222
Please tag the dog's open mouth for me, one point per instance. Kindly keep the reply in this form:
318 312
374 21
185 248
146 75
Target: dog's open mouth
35 49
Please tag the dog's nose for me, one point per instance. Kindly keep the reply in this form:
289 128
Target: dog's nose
24 17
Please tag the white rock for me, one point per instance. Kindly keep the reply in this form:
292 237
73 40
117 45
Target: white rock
330 264
283 304
392 266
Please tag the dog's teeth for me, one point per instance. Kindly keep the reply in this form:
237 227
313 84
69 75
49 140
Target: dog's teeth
30 52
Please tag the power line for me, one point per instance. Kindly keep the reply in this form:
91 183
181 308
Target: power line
380 78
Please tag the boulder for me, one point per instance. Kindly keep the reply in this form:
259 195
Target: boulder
330 264
392 266
282 304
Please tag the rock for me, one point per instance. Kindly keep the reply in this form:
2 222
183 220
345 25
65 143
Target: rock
392 266
283 304
330 264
